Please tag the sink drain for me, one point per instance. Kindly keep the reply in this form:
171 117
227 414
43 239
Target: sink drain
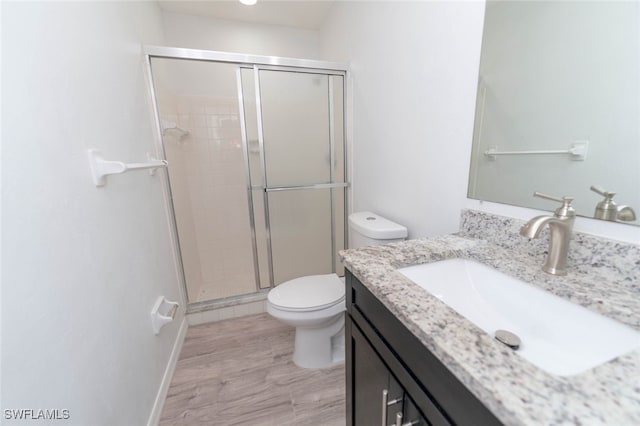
508 338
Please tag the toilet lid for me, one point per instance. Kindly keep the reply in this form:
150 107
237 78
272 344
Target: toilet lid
308 293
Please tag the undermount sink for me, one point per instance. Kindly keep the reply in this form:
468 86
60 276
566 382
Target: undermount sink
558 336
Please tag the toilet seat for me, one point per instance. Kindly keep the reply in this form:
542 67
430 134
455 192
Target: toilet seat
309 293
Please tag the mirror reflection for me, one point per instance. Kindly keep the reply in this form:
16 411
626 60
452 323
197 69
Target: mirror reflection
558 107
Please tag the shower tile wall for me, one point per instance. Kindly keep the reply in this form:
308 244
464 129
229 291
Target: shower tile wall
210 197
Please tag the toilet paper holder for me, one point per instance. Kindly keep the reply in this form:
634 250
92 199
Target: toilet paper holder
163 312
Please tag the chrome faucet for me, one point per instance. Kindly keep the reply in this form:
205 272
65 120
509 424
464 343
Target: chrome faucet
560 227
607 209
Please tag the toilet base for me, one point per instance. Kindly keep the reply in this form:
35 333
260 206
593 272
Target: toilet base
320 347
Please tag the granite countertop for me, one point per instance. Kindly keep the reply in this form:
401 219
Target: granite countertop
603 276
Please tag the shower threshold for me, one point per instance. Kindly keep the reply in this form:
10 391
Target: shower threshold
208 305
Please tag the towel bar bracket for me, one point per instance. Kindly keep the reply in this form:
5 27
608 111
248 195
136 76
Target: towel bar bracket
101 168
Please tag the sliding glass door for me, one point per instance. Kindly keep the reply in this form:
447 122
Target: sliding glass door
257 177
297 169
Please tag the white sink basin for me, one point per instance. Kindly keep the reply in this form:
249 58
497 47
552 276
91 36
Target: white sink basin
558 336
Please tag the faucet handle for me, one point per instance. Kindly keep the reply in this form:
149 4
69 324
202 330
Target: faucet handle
552 198
563 211
601 191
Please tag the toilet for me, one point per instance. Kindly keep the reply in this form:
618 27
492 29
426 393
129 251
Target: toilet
315 304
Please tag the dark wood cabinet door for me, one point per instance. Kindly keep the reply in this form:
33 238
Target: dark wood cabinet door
411 414
370 378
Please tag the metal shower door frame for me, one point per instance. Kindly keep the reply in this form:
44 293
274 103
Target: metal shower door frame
265 188
256 62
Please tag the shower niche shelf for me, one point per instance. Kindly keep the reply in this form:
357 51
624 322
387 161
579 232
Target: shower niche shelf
101 168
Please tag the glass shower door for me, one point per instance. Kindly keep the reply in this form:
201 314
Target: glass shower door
197 104
297 166
256 176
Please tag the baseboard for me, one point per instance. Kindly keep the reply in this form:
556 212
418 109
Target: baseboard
156 411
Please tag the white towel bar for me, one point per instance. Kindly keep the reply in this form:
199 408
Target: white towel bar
577 151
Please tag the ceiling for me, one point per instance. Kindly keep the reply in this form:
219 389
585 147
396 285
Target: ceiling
291 13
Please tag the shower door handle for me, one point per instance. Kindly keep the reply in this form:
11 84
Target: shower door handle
301 187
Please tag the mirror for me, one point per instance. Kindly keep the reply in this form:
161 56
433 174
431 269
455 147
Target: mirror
558 103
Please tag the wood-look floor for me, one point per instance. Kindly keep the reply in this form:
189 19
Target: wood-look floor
240 372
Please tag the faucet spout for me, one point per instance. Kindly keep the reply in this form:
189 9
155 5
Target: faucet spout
626 214
560 229
533 227
560 233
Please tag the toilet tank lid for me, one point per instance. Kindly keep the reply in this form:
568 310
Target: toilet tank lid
377 227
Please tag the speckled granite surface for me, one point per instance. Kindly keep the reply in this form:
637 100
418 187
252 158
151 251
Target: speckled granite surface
604 276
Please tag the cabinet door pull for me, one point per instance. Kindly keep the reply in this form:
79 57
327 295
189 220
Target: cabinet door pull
399 419
385 399
386 403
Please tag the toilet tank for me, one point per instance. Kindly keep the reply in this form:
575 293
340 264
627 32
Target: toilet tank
369 229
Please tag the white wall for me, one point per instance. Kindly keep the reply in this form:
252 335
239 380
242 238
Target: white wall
82 265
415 70
198 32
1 222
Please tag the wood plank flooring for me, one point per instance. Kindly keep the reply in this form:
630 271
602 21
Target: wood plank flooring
240 372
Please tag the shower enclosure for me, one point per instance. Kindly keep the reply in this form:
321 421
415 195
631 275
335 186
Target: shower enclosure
257 171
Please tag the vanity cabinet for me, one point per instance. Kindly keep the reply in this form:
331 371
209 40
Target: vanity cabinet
375 386
392 378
